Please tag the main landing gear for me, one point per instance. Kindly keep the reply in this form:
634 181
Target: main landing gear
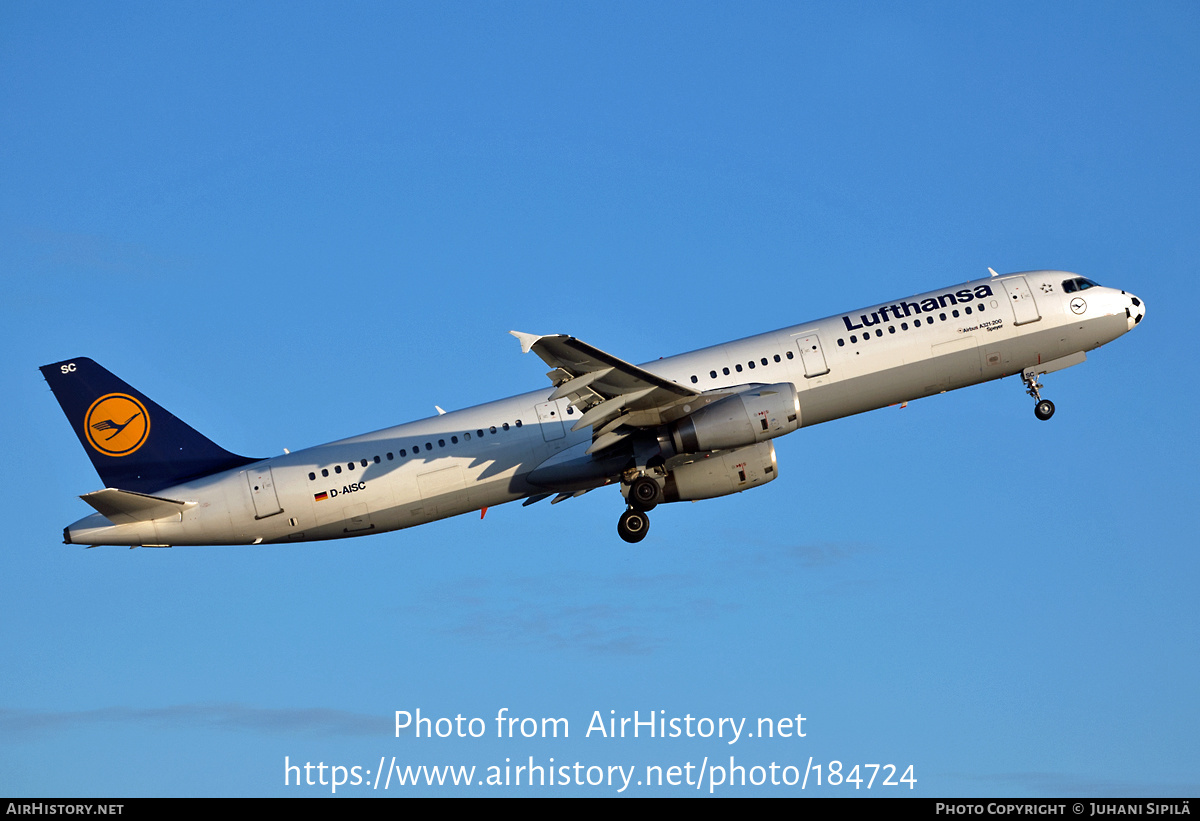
1044 408
643 495
633 526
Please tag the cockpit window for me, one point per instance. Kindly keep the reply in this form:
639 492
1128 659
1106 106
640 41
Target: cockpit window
1070 286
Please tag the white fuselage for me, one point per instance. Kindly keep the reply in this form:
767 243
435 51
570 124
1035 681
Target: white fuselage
483 456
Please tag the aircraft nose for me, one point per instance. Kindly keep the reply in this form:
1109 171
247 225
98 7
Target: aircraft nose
1135 311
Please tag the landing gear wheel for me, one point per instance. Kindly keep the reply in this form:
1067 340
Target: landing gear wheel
644 494
1044 409
633 526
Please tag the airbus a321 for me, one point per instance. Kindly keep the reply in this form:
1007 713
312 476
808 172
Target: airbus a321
693 426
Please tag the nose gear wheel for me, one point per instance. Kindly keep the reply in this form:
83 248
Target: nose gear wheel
1044 408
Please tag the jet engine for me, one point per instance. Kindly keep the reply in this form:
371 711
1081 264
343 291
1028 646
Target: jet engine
747 418
722 473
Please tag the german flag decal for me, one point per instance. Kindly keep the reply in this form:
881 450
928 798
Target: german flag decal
320 497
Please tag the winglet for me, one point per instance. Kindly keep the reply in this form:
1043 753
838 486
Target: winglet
527 340
992 272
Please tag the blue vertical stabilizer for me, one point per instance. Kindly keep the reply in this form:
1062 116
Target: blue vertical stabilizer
133 442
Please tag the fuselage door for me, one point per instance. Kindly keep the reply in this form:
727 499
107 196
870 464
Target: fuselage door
358 518
811 355
1025 309
549 416
262 491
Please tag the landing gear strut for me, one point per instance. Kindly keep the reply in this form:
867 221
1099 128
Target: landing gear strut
643 494
633 525
1044 408
642 486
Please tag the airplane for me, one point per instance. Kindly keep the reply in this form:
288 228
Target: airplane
693 426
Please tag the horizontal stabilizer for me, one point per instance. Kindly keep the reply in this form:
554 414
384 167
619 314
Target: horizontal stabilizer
122 507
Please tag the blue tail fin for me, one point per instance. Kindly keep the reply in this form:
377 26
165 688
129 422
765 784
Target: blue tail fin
133 442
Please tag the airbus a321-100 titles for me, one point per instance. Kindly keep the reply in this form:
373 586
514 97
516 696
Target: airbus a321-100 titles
693 426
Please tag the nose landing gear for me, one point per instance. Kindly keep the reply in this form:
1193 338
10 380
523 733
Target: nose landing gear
1044 408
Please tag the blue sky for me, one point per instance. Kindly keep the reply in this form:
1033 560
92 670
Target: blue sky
293 223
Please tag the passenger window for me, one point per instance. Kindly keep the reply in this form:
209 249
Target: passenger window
841 343
751 364
350 466
337 468
738 368
389 456
712 374
505 426
725 371
454 440
764 360
364 462
324 471
518 422
694 379
312 477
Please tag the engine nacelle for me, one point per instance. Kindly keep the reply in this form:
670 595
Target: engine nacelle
747 418
722 474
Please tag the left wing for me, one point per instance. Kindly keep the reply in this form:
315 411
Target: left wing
615 397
